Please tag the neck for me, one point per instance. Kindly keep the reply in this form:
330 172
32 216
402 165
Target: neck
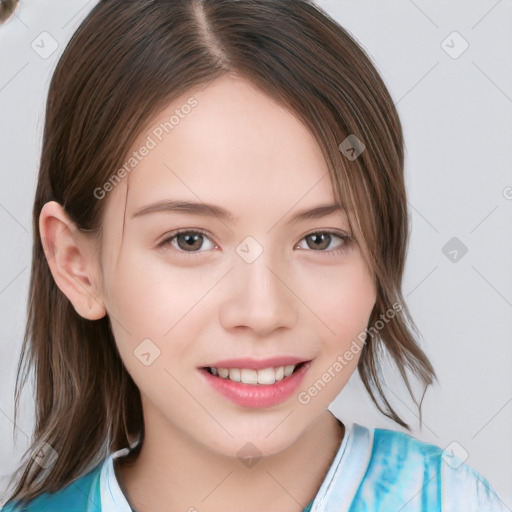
177 473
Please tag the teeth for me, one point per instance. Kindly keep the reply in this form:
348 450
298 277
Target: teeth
249 376
288 370
264 376
234 374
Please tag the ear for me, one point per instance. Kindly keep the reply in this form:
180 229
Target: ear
73 261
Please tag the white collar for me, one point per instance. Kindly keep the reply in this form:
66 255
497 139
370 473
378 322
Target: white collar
346 472
112 498
335 494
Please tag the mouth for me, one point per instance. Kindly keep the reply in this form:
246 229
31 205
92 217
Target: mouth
257 377
262 387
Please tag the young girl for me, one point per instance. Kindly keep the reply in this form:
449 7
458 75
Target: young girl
220 230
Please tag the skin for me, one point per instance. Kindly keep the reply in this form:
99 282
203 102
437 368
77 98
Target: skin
240 150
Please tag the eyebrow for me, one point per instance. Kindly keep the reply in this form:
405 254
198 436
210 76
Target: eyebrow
209 210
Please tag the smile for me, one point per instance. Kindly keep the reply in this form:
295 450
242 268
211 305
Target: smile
248 387
265 376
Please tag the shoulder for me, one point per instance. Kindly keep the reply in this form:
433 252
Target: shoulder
410 475
81 495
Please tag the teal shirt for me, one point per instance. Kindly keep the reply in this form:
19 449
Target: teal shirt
307 509
374 470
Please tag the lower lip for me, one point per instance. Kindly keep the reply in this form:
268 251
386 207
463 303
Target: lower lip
257 395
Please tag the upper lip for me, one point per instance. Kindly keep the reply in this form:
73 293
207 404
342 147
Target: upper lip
258 364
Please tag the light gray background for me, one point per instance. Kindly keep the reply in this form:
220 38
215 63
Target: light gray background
457 118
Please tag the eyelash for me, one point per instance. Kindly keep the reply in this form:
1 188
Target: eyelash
347 239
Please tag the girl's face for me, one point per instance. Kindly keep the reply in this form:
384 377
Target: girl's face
257 281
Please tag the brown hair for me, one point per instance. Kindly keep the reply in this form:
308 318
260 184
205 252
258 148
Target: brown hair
124 64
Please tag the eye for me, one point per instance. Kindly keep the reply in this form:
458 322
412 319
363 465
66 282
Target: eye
321 240
187 241
191 241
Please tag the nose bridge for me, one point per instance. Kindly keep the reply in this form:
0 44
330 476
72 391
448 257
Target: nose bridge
258 297
255 267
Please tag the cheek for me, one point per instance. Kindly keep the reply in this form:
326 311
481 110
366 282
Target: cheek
167 304
343 300
345 307
151 296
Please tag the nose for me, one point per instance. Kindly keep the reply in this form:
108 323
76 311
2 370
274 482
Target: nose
258 297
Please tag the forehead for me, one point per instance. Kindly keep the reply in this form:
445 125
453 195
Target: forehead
231 144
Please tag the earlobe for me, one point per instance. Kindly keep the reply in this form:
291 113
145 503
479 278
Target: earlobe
71 256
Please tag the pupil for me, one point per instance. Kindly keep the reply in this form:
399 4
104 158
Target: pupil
318 238
190 240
